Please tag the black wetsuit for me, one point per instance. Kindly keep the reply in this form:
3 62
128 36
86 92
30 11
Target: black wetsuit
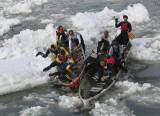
123 38
46 54
63 39
93 66
105 46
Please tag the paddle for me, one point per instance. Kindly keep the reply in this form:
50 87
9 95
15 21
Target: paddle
130 35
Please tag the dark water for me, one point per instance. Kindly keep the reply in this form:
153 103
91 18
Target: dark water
143 73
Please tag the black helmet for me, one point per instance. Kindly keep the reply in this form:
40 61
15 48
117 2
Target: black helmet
62 52
60 27
70 32
52 46
125 16
116 43
105 32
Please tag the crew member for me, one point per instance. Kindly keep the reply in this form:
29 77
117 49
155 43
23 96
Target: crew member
77 37
63 62
112 65
61 32
123 38
116 51
93 66
104 40
53 50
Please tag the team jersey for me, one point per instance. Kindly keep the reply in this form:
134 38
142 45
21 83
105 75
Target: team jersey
76 36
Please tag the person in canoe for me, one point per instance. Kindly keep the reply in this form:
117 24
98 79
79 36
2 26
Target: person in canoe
123 38
53 51
104 40
61 33
77 37
63 62
112 64
116 51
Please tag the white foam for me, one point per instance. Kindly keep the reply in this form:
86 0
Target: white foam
110 109
35 111
130 88
18 8
6 24
28 42
100 19
113 105
144 94
20 69
42 98
146 49
21 7
69 102
151 97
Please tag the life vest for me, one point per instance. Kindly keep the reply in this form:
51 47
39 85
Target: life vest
59 59
111 60
53 57
58 31
124 26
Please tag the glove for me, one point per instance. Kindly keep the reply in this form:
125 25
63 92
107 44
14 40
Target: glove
50 74
43 55
114 77
102 79
39 53
116 20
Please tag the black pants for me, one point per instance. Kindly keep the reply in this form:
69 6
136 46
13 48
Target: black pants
123 38
119 65
82 42
105 46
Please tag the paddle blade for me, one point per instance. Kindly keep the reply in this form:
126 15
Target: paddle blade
131 35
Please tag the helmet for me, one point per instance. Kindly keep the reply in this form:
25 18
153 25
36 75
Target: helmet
105 32
60 27
70 32
125 16
62 52
52 46
116 43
